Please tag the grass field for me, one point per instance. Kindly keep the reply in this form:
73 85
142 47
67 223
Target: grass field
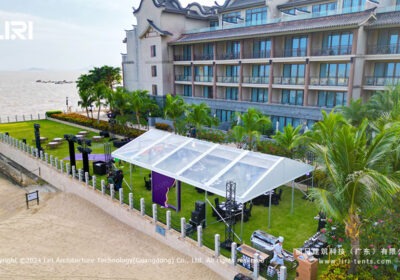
295 226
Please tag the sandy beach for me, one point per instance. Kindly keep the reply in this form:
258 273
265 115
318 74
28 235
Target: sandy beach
66 237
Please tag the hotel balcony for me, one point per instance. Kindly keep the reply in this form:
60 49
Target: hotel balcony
334 50
182 58
255 80
203 57
289 80
228 79
204 79
381 81
183 78
384 49
329 81
291 52
227 56
259 54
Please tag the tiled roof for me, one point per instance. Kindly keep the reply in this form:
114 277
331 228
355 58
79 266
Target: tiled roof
328 22
159 30
386 19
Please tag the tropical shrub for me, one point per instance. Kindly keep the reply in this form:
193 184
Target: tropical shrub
212 135
50 113
163 126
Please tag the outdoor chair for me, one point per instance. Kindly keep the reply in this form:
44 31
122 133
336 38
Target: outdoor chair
280 194
147 184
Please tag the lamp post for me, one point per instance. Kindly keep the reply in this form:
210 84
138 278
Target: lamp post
148 121
66 102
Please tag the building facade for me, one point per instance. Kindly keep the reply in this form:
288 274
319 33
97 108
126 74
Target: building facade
289 59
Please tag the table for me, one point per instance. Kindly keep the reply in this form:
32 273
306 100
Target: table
57 140
248 254
79 136
83 132
52 144
42 139
237 208
97 138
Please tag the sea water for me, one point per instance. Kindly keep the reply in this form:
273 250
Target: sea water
22 94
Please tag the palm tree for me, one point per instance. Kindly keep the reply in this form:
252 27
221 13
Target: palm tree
174 108
355 112
139 101
252 123
200 114
118 100
99 94
289 140
384 102
85 92
106 74
359 180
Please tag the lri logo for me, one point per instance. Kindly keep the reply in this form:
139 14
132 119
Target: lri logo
16 30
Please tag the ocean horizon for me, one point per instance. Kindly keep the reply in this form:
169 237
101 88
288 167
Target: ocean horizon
22 94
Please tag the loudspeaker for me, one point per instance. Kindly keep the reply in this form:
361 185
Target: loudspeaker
196 217
200 206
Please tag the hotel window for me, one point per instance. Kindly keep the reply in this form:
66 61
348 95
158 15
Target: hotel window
187 90
259 95
232 73
187 73
231 17
338 43
387 73
233 49
293 74
256 16
296 46
208 51
331 99
334 74
225 115
292 97
324 9
154 71
260 74
154 89
350 6
262 48
204 73
213 23
153 51
285 121
389 42
231 93
187 52
207 92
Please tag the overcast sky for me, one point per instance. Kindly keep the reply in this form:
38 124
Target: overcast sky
67 34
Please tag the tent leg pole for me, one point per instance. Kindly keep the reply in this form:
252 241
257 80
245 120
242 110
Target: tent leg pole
291 210
130 175
205 210
241 227
269 210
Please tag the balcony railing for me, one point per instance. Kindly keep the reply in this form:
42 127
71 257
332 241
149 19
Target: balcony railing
228 79
183 78
226 56
381 81
329 81
335 50
384 49
289 80
182 58
203 57
291 52
256 80
208 79
259 54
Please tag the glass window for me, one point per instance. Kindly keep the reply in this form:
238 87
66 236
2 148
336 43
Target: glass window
153 51
231 17
154 71
187 52
261 70
231 93
337 73
154 89
187 71
292 97
207 92
256 16
213 23
352 5
262 48
225 115
331 99
323 9
296 46
259 95
208 51
337 43
233 49
187 90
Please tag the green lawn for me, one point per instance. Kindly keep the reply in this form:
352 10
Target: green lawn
296 227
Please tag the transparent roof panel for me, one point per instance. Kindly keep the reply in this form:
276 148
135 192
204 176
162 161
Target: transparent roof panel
141 143
185 156
160 150
245 175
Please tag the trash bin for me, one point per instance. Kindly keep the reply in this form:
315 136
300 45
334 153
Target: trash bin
99 168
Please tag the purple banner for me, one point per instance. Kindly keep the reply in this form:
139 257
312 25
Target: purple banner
160 186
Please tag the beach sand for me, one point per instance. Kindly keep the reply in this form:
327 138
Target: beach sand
66 237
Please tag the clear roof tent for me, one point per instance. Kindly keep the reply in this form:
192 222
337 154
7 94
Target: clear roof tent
209 166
